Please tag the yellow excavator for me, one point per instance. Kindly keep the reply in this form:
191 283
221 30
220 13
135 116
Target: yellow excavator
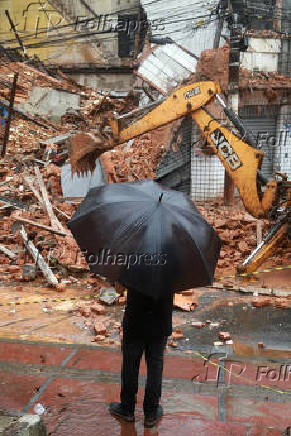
234 146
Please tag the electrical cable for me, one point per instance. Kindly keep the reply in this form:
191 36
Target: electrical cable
163 22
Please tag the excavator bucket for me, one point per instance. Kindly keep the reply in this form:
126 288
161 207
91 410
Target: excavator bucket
84 149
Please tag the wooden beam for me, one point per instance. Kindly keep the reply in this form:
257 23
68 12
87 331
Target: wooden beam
8 252
40 225
31 186
54 220
47 272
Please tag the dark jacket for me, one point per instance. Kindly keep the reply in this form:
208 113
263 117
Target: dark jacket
146 317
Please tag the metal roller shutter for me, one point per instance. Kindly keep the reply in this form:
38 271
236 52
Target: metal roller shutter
264 130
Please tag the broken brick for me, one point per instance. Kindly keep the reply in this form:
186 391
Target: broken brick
100 328
261 345
98 309
224 336
60 287
99 338
173 344
188 292
85 311
178 334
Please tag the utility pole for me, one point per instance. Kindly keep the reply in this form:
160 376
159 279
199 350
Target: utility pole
10 110
233 94
221 9
15 31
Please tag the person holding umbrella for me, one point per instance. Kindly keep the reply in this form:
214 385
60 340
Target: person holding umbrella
146 325
156 242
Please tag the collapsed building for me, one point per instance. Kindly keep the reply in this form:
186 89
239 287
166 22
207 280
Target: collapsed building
50 108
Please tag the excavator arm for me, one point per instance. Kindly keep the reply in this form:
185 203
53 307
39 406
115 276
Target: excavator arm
237 152
240 160
178 104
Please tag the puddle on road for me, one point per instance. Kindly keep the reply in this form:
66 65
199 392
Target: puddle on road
246 324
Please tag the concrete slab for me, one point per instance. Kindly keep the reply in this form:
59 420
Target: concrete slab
26 425
49 103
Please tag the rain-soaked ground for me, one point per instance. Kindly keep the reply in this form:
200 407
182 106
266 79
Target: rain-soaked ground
47 357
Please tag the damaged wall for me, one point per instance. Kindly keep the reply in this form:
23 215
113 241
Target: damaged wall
34 22
118 41
49 103
187 22
261 55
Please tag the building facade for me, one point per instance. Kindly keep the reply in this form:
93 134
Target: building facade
93 42
264 100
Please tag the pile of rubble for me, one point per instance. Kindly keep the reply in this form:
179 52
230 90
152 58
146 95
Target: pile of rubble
213 65
34 213
139 158
238 232
35 243
265 80
29 77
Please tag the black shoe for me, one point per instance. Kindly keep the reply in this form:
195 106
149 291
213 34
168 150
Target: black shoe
151 420
117 409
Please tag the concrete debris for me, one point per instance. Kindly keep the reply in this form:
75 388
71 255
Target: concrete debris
25 425
30 181
46 270
108 295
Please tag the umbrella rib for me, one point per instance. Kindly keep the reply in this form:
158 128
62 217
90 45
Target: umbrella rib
98 206
135 229
189 235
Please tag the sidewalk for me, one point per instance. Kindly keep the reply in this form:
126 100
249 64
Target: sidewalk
76 383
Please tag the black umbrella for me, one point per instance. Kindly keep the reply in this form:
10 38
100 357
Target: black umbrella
146 237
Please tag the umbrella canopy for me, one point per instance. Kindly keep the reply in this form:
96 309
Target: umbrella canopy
146 236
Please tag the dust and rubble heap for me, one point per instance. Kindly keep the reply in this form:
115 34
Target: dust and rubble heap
21 196
28 149
237 230
139 158
29 77
214 65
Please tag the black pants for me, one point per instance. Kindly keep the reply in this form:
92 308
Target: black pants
133 349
